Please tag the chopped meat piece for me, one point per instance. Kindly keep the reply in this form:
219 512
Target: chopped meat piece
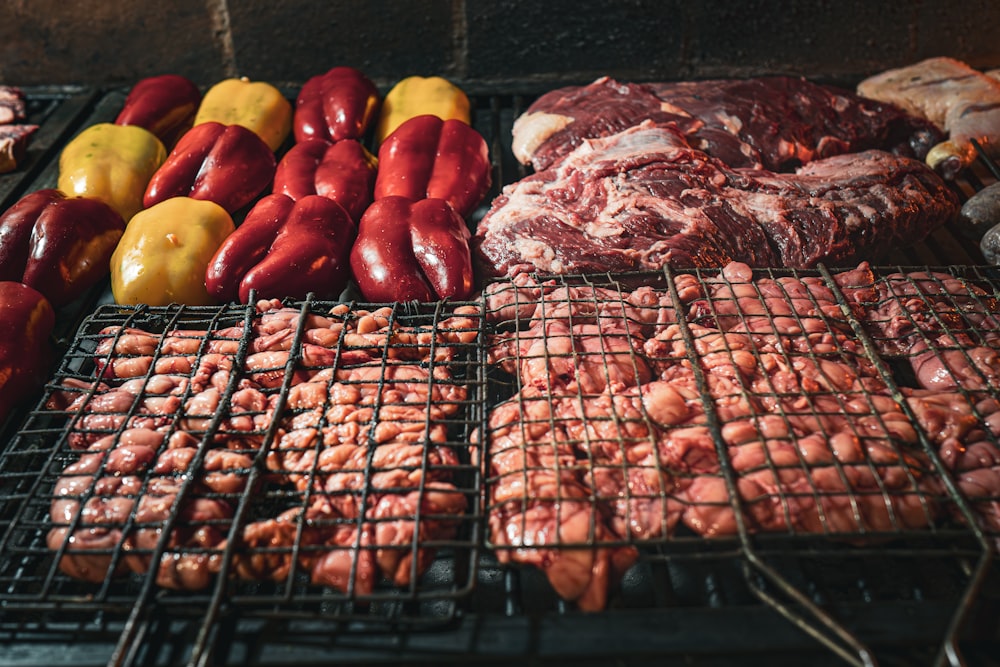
584 358
758 385
121 493
359 420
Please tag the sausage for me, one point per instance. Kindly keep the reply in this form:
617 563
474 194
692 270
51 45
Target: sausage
981 211
990 245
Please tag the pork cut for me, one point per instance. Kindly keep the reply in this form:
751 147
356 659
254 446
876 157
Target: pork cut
961 101
644 198
777 123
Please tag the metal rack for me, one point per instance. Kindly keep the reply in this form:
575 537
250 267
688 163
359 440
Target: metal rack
897 597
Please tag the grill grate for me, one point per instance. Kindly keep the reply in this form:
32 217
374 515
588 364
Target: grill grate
632 419
892 592
387 489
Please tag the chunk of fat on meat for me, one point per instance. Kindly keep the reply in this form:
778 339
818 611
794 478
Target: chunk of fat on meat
530 130
646 142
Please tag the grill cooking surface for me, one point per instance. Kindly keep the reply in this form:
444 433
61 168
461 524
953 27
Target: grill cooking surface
315 492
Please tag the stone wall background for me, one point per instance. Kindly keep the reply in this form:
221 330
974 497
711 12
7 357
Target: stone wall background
520 45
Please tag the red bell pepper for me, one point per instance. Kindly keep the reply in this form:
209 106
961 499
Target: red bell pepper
58 245
227 164
26 323
165 105
339 104
412 250
343 171
434 158
285 248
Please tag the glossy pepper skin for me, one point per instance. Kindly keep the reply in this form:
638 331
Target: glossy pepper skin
434 158
412 250
256 105
285 248
25 350
343 171
339 104
227 164
416 96
58 245
162 256
165 105
112 163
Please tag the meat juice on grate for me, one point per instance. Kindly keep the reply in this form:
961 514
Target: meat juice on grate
595 464
360 452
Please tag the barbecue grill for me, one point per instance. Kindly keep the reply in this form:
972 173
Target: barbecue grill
894 596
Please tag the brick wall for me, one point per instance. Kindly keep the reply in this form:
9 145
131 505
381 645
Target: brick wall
522 44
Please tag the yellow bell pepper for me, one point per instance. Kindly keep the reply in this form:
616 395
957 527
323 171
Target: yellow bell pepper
417 96
162 257
256 105
113 163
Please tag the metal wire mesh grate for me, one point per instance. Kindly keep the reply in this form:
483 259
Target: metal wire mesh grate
893 559
313 454
767 410
758 372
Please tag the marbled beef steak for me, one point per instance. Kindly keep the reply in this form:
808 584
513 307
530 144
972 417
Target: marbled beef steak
643 198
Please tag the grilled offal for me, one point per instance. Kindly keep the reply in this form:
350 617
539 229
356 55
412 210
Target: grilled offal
734 403
339 421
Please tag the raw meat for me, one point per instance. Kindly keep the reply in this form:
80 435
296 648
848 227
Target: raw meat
643 198
169 433
12 105
14 145
775 123
124 492
754 384
961 101
14 133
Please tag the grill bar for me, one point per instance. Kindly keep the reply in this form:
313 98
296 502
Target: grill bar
857 602
138 620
